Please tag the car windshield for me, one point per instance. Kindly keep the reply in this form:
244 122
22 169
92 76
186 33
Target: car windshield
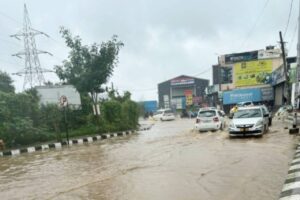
207 113
248 113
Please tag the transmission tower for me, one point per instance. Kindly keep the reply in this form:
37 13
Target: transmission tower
33 73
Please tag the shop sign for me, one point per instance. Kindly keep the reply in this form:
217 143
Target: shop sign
253 73
189 97
241 57
267 94
278 75
182 81
236 96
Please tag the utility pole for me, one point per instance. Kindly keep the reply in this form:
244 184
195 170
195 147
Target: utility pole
287 80
33 73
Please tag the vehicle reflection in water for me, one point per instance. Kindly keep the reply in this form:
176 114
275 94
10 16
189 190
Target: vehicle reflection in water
168 162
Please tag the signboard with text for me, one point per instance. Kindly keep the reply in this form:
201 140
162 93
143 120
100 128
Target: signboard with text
253 73
182 81
236 96
241 57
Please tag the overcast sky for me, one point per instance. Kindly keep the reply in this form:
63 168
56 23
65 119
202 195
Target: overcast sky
163 39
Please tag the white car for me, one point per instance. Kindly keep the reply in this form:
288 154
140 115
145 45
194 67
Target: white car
209 119
249 121
164 115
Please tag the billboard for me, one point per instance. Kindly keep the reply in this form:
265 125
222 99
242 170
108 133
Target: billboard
236 96
52 95
240 57
253 73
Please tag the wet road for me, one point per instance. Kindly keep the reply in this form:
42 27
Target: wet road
171 161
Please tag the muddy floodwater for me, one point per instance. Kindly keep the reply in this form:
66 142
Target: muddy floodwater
170 161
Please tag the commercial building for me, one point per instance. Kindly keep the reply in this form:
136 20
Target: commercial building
181 91
247 76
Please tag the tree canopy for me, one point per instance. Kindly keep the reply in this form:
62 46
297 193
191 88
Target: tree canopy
88 67
6 83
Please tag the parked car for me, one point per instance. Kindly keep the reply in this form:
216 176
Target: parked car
249 121
164 115
209 119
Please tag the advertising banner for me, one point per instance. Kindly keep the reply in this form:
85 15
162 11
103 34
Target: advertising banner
182 81
241 57
253 73
236 96
189 97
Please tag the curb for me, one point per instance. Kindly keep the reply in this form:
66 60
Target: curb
291 187
59 145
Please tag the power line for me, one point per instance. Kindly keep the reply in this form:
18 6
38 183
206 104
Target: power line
293 37
11 18
207 70
255 23
289 17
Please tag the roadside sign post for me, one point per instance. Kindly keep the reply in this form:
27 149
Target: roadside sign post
64 105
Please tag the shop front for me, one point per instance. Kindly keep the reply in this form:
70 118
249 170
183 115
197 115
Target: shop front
256 95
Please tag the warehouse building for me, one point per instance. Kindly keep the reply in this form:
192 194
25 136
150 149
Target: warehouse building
181 91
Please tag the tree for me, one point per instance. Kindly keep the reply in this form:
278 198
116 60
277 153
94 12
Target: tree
6 83
88 67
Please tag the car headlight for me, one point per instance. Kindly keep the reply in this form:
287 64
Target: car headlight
259 123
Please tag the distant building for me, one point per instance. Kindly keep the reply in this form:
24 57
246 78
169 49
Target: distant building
150 106
181 91
52 95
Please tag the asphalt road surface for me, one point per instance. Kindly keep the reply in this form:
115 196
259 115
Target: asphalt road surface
170 161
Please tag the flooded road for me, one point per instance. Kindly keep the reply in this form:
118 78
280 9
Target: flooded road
170 161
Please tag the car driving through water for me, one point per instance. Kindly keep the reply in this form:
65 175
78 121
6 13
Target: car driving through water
249 121
210 119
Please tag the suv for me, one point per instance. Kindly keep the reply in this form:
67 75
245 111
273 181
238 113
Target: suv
249 121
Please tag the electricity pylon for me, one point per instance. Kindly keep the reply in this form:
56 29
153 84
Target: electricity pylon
33 73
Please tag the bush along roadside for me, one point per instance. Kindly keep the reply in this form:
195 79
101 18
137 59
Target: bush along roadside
25 122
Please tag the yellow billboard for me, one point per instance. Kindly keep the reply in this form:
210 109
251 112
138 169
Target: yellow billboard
253 73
